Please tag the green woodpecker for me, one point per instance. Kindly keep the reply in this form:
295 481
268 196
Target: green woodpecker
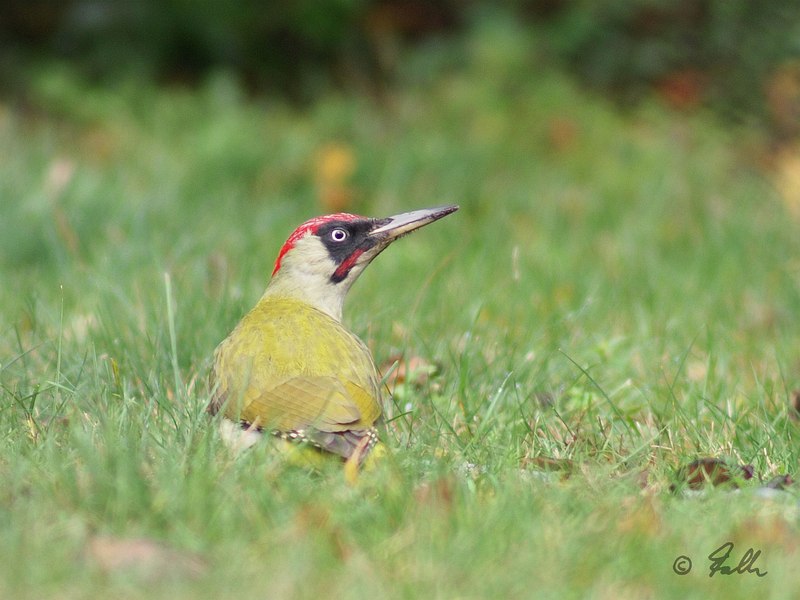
290 368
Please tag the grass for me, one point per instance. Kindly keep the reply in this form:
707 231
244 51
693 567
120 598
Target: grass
616 298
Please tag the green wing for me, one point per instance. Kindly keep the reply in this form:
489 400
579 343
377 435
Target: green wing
290 367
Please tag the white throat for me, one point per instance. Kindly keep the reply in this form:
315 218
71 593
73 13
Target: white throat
305 275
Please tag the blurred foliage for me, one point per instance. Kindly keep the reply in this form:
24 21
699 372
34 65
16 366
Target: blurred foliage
728 52
738 56
288 47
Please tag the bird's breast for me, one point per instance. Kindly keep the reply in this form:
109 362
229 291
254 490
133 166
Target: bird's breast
287 361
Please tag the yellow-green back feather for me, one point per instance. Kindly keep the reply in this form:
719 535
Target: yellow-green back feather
288 366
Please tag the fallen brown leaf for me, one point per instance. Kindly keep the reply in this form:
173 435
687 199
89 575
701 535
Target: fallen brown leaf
640 516
795 404
334 168
786 178
316 519
782 91
683 89
414 370
711 471
563 134
773 532
437 493
147 558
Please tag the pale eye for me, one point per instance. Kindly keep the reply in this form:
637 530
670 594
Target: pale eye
339 234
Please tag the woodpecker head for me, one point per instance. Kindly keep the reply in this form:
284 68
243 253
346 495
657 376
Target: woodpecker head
325 255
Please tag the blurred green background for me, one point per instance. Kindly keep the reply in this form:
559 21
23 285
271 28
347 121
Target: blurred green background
734 55
97 63
617 297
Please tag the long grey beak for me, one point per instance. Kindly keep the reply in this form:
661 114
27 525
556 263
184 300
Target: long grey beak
391 228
